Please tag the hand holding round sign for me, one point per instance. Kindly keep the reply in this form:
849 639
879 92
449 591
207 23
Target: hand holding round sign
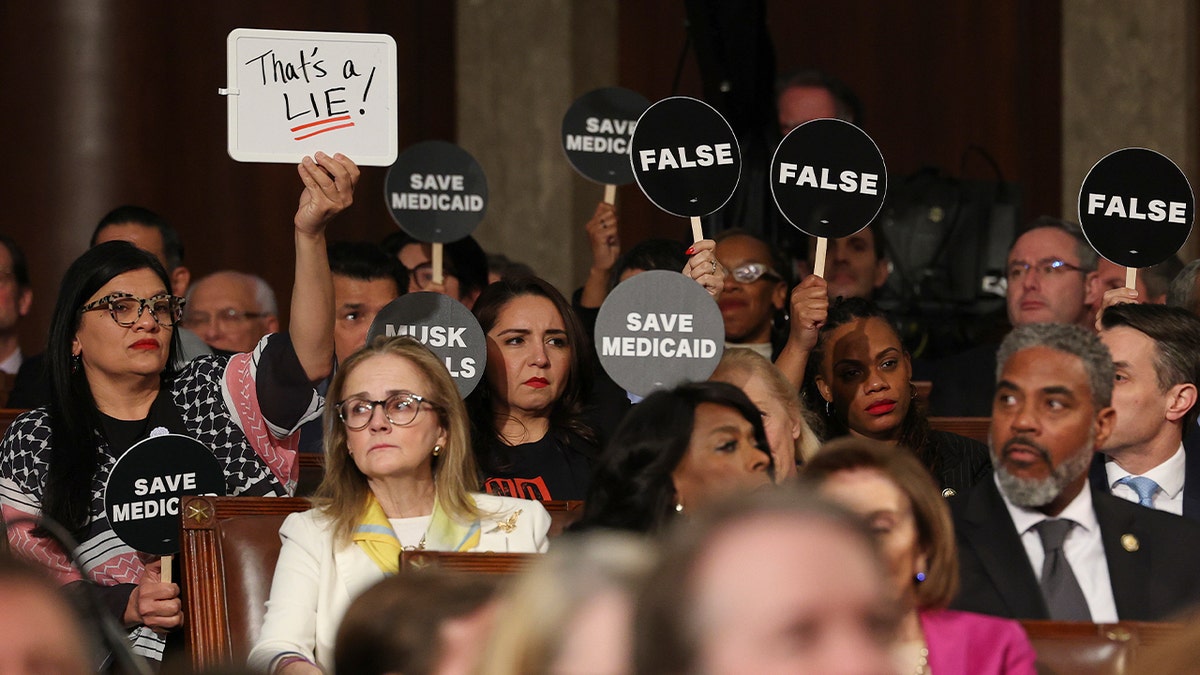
437 193
596 132
1136 208
659 329
685 158
443 325
144 489
829 180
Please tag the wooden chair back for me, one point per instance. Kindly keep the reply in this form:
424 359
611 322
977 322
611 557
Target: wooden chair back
1084 648
971 427
474 563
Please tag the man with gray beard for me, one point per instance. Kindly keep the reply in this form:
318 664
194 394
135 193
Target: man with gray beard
1036 542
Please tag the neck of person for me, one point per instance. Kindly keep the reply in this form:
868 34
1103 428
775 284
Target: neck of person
1142 457
8 345
126 397
516 427
1064 498
405 496
909 629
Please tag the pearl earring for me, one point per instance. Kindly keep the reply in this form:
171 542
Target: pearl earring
437 450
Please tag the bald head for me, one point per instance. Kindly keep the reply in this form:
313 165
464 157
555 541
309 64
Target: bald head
231 311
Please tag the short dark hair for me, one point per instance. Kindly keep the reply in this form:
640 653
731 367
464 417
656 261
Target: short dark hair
649 254
366 261
1182 292
1088 258
845 101
20 266
1176 335
631 487
1158 277
140 215
464 258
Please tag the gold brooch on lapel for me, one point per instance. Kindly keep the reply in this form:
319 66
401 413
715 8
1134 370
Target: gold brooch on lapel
1130 542
510 523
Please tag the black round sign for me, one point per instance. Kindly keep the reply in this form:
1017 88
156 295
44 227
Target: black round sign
442 324
596 131
436 192
828 178
1136 207
144 489
685 157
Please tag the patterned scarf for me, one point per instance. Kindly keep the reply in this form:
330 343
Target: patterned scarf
374 535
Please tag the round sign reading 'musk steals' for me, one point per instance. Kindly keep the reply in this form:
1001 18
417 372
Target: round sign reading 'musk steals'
596 132
659 329
685 157
443 325
144 489
436 192
1136 207
828 178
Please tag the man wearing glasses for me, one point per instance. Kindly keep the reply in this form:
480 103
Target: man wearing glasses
231 311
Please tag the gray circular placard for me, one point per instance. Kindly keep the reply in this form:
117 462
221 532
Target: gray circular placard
443 325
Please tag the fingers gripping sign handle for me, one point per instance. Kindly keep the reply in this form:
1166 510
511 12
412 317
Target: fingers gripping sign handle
167 562
1130 277
697 230
610 194
437 262
819 258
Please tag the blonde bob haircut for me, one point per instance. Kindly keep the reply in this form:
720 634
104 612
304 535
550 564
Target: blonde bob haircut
343 491
935 529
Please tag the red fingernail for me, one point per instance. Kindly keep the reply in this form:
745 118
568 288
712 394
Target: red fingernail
691 251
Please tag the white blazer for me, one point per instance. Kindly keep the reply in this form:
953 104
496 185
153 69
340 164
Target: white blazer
315 581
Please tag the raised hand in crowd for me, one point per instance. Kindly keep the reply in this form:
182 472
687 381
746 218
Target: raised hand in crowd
809 303
1116 296
704 267
604 238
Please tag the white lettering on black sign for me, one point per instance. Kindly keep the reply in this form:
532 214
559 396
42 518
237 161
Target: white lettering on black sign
1156 211
670 348
435 196
619 144
439 336
847 181
680 158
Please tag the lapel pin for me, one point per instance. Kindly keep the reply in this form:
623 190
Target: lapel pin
949 492
1129 542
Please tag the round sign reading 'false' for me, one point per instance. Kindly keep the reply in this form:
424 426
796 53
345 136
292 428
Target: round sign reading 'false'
659 329
596 132
828 178
1136 207
144 489
443 325
436 192
685 157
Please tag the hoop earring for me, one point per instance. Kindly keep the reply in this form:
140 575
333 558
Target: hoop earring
828 409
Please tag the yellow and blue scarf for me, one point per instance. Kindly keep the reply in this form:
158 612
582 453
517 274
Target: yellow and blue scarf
374 535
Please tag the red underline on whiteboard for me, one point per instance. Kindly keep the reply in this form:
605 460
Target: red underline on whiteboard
331 120
340 126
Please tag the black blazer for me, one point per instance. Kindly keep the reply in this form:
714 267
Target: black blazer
1151 583
1191 475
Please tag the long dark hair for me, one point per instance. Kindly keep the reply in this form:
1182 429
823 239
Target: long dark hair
566 416
632 488
914 428
74 419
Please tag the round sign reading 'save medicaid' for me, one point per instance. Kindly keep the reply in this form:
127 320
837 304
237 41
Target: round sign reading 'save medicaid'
659 329
685 157
144 488
1136 207
596 132
436 192
443 325
828 178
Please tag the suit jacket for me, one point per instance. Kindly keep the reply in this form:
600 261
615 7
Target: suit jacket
315 581
1098 477
965 642
1154 580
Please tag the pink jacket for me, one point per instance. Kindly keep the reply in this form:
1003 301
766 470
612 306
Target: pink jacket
976 644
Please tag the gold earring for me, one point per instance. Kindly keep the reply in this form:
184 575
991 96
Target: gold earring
437 450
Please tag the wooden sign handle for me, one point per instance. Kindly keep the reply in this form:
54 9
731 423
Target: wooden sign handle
167 563
437 263
697 230
1130 277
819 258
610 194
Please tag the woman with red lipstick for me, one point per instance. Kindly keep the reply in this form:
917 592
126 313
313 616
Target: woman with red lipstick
860 376
111 340
527 415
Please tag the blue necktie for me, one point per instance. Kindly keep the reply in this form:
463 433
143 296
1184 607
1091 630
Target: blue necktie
1144 487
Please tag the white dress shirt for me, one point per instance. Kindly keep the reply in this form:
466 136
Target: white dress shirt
1083 547
13 363
1169 475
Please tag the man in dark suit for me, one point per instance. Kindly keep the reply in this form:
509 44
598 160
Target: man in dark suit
1156 351
1035 543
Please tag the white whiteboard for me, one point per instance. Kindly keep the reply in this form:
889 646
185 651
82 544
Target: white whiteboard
292 93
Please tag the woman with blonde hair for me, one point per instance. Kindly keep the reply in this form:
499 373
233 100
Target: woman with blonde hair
399 475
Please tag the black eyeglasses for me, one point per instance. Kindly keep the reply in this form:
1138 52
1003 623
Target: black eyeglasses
422 275
399 409
126 308
752 272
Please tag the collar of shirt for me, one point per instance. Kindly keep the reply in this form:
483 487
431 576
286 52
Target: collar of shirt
1079 510
13 363
1169 475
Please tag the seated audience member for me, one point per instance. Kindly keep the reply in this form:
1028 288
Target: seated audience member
571 613
365 280
1156 352
1152 283
859 376
39 629
810 94
464 266
1185 288
894 494
111 341
501 267
771 583
399 475
231 311
531 436
674 452
783 416
856 266
16 299
1035 543
1047 272
756 289
422 622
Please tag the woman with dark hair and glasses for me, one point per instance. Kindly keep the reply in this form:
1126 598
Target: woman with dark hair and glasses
111 340
399 475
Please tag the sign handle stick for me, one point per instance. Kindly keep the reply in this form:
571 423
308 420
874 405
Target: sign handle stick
610 194
819 258
1130 277
697 230
167 561
437 263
